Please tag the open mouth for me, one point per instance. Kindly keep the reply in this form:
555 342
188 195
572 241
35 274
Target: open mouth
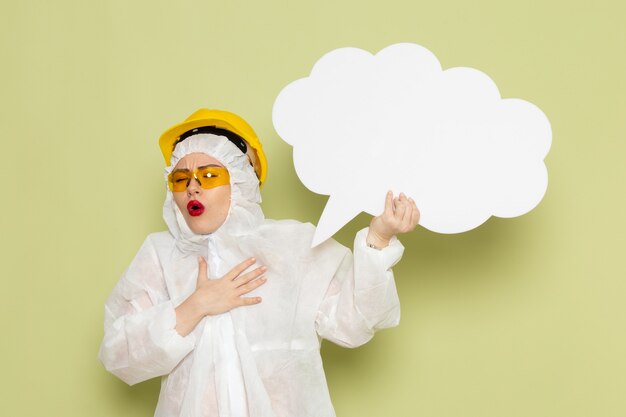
195 208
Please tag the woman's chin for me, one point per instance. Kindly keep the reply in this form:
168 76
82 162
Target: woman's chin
202 226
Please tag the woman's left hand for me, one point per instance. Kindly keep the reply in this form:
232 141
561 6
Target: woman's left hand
401 215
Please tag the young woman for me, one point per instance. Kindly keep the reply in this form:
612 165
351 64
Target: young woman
229 307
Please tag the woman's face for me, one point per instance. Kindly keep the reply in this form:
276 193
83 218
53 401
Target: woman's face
204 210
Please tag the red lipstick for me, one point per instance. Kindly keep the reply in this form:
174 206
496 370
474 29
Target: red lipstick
195 208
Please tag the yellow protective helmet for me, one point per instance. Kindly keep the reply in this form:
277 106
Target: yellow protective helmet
221 119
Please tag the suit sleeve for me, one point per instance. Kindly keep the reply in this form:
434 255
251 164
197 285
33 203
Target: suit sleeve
362 296
140 340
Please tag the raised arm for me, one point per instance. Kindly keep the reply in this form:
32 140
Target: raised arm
362 296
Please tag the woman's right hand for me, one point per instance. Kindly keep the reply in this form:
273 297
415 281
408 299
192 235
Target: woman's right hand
216 296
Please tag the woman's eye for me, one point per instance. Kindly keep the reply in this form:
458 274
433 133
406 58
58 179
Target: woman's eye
179 180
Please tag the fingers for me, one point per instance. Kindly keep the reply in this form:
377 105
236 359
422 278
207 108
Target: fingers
245 283
405 216
250 286
245 278
406 219
248 301
415 218
388 204
234 273
401 206
410 218
250 281
202 270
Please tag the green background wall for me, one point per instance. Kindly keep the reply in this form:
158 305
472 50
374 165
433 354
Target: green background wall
520 317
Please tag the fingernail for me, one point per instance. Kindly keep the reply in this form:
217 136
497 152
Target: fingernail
252 259
263 268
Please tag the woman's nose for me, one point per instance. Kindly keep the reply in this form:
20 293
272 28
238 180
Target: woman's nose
194 187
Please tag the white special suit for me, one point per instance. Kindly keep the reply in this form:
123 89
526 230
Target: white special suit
253 361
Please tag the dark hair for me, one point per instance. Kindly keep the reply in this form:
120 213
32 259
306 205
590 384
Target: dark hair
214 130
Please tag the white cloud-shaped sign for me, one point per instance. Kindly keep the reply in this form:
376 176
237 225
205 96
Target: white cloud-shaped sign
362 124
